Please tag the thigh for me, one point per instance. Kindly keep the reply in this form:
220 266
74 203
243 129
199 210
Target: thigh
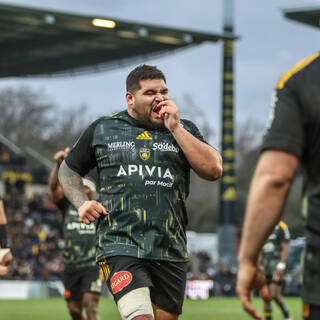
311 311
74 306
169 284
91 281
72 285
275 289
124 274
268 279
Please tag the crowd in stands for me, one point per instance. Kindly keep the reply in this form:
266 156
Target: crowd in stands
35 228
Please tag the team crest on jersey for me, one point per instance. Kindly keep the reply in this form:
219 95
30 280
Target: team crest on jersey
144 153
144 136
120 280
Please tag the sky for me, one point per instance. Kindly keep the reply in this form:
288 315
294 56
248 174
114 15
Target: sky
269 45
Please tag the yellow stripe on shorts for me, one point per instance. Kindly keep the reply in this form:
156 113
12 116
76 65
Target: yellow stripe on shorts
105 268
306 310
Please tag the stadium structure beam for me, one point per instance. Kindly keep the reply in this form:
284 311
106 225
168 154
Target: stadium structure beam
227 221
38 42
307 14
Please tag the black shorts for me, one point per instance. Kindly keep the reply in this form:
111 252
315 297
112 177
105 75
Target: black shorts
269 280
311 311
167 280
79 281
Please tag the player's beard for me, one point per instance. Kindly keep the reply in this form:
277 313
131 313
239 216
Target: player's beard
145 118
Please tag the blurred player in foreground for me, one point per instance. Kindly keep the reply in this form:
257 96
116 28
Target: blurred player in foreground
5 252
274 258
292 138
82 277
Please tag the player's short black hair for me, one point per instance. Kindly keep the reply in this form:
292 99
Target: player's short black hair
142 72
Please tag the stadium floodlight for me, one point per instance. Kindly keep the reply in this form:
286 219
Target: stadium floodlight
227 220
104 23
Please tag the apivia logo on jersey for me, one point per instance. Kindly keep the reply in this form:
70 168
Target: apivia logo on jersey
153 175
81 227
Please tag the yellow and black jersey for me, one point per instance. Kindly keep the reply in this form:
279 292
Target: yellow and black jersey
294 127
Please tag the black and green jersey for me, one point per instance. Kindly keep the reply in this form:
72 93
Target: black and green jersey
79 238
144 182
271 251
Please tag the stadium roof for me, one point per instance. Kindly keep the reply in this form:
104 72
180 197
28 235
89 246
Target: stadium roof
42 42
305 14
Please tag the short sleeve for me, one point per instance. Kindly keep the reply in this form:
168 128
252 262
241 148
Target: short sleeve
81 158
192 128
285 129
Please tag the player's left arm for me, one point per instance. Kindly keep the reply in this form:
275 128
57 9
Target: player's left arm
205 160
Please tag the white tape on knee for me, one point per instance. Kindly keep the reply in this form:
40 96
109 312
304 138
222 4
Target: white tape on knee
135 303
3 252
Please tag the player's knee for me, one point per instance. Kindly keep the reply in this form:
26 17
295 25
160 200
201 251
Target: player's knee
75 313
136 304
91 305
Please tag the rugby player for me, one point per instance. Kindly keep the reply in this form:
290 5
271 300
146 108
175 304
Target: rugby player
5 252
82 279
144 155
292 139
274 258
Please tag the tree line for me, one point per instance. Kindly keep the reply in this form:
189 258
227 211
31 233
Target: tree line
30 119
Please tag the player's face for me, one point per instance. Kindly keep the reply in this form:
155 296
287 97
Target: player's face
141 103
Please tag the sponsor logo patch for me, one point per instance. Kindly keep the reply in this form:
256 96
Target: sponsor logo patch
144 153
164 146
120 280
67 294
121 145
144 136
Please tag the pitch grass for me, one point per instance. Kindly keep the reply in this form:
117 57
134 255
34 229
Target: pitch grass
212 309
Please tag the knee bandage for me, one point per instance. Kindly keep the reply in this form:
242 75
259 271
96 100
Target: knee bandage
135 303
3 252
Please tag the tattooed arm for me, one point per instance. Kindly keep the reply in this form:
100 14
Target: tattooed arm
72 186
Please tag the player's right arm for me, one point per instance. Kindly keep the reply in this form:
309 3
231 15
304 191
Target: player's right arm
73 189
79 162
283 147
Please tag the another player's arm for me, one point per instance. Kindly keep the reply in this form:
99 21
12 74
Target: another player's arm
267 196
281 266
205 160
5 252
54 185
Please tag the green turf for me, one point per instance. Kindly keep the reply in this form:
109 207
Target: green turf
212 309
